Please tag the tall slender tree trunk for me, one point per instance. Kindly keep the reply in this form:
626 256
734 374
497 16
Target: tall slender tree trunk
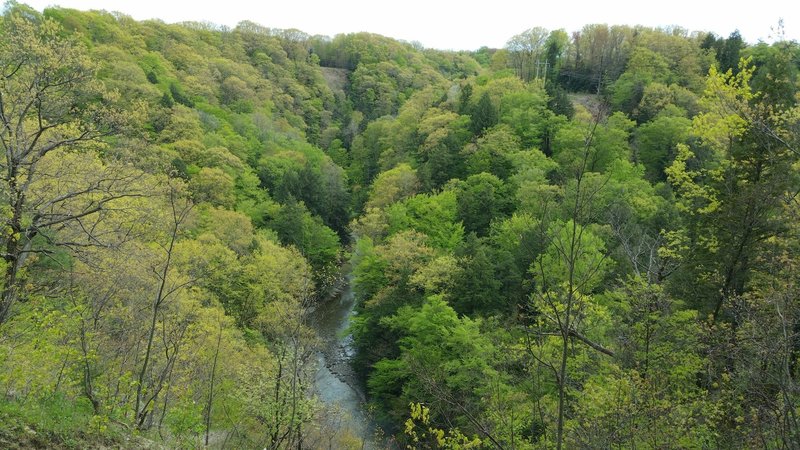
562 375
211 388
140 410
88 378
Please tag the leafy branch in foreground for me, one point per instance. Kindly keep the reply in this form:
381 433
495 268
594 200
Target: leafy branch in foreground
53 111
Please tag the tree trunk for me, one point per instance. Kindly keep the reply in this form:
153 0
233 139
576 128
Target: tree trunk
11 272
211 388
140 410
562 374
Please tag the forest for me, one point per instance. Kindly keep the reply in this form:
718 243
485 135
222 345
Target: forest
586 239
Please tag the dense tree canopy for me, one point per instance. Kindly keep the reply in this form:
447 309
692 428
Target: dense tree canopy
583 240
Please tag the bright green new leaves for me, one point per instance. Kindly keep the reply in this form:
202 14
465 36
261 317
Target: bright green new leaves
606 142
493 152
434 215
392 186
576 256
527 114
644 67
659 344
726 108
51 105
534 191
441 356
369 269
423 435
527 280
695 198
214 186
731 119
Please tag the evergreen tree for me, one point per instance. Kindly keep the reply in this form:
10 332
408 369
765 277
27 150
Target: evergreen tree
484 115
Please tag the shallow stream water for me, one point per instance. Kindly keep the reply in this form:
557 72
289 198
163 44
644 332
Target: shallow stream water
335 381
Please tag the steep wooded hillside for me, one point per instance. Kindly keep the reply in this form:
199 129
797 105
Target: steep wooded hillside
581 240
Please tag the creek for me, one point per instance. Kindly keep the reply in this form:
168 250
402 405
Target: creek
335 382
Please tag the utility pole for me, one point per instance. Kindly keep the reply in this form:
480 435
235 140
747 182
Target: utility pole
541 69
546 67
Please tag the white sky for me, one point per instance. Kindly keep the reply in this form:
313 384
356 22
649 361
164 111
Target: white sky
457 25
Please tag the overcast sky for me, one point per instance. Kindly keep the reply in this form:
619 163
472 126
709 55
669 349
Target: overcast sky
458 25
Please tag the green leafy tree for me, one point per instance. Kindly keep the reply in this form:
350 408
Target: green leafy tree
644 67
656 143
50 105
386 274
481 199
442 357
528 52
434 215
392 186
443 135
484 115
609 142
567 272
318 243
214 186
493 153
476 287
423 435
527 115
729 53
732 198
